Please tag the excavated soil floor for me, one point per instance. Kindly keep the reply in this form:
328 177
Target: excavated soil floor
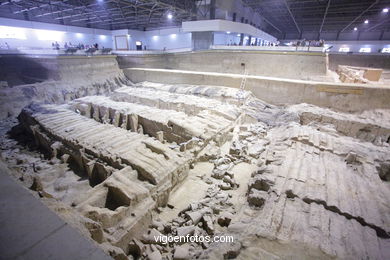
150 159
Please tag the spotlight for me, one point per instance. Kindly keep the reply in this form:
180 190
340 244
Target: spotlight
238 35
228 32
366 21
385 10
355 29
169 16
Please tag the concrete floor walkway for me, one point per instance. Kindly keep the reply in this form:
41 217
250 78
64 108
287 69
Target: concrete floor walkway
29 230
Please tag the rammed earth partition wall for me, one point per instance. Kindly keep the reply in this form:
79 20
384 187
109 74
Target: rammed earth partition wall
54 79
295 65
340 96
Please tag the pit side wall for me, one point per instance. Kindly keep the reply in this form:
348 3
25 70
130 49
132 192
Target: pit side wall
25 69
339 96
274 64
359 60
55 80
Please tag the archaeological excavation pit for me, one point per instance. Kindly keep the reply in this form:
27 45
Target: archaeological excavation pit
227 152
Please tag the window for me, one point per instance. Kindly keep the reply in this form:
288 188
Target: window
385 50
253 41
365 50
344 49
7 32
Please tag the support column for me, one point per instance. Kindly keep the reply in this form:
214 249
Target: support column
212 9
381 36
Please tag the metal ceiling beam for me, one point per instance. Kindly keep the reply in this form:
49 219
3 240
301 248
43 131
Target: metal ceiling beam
42 5
307 10
151 12
292 16
156 8
326 12
276 28
307 15
113 11
360 15
66 8
83 11
377 25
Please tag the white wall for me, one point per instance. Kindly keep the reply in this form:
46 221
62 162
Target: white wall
178 38
344 36
223 38
158 40
173 38
226 26
41 35
170 39
355 46
267 48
